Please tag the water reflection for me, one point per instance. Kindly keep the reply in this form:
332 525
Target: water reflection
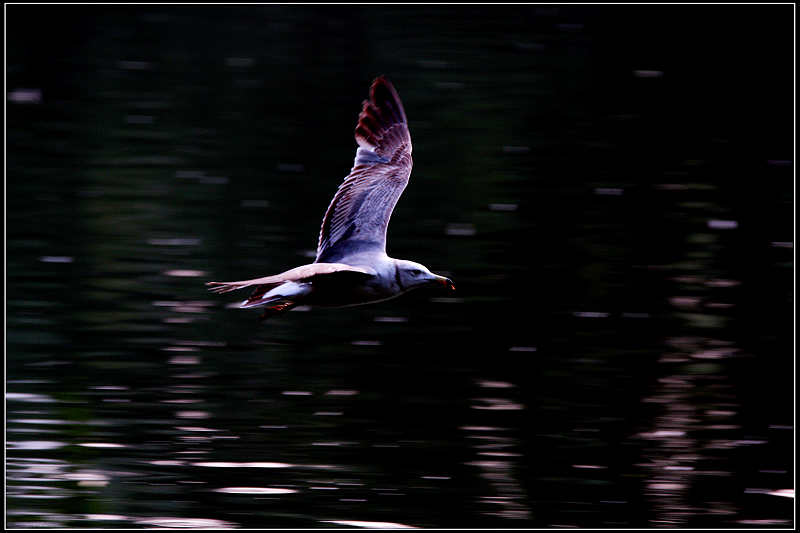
692 440
368 525
188 523
496 459
618 355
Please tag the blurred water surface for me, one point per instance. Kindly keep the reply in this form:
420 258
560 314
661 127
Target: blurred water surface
610 188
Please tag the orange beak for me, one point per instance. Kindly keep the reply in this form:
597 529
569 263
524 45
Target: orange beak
446 282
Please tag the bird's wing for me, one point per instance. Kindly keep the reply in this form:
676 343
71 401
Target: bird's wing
361 208
301 273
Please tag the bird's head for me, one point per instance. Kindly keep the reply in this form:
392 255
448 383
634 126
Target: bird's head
412 275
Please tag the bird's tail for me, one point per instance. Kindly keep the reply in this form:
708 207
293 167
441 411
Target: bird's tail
274 297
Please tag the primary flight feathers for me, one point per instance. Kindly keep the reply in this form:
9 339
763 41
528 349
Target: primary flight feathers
365 200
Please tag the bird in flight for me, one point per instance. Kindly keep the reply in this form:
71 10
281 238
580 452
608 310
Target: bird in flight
351 267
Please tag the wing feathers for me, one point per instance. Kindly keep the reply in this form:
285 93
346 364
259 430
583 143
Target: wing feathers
364 202
303 272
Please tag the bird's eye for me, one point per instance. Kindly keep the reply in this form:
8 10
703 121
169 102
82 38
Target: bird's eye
416 273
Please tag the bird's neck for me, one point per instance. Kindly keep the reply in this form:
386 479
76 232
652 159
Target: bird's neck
397 276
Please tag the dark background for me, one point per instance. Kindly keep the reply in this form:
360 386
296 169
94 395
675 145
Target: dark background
611 188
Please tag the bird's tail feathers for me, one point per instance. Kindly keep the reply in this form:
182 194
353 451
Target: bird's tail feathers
259 297
279 298
276 303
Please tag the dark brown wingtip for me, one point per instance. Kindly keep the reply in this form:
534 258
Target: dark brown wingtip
379 113
379 80
383 95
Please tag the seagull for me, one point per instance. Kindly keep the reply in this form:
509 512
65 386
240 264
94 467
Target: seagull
351 267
